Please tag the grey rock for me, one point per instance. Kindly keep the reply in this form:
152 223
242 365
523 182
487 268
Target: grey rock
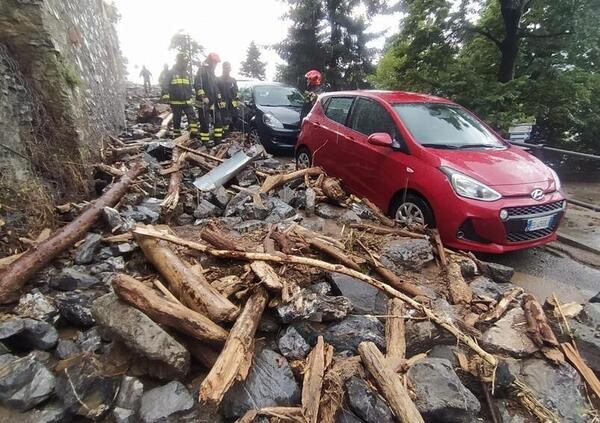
423 335
407 253
292 345
350 217
249 226
268 324
236 204
269 383
185 219
328 211
130 393
287 194
348 417
6 357
66 348
53 412
206 209
595 299
160 150
144 214
498 272
308 305
362 211
25 383
365 298
84 390
124 248
367 403
221 197
74 307
447 352
280 211
139 333
487 288
253 211
354 329
37 306
117 223
70 279
440 394
90 341
592 314
246 178
26 334
587 338
558 388
321 288
122 415
468 267
509 414
165 402
508 335
116 263
86 251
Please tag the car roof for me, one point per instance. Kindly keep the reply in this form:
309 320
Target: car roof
255 83
394 97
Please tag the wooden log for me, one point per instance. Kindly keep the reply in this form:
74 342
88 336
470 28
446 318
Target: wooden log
214 236
389 384
540 331
378 213
236 356
397 282
167 312
439 247
203 354
109 169
333 252
274 181
164 126
192 289
395 340
578 362
172 198
14 276
502 306
459 291
332 188
392 292
385 230
313 382
333 391
267 275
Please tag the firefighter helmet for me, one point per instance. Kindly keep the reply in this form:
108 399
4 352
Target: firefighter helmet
213 58
313 77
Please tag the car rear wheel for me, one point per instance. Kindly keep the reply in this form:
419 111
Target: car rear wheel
412 209
254 136
303 158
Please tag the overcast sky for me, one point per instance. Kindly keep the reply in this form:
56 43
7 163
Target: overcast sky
223 26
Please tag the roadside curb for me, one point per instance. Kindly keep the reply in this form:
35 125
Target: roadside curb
574 242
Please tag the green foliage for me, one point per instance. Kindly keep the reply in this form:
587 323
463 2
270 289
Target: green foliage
70 75
182 42
446 49
252 67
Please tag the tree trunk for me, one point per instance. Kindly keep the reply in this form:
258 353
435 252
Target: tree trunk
509 46
313 382
18 272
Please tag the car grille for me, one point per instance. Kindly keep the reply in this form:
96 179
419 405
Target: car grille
528 236
535 209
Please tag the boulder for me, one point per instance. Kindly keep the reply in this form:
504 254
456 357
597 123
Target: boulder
25 383
165 402
25 334
587 338
37 306
354 329
280 211
406 253
66 348
346 416
142 335
498 272
220 197
485 287
292 345
509 335
365 298
90 341
423 335
328 211
367 403
206 209
52 412
74 307
349 217
595 299
440 394
160 150
591 315
270 383
128 400
509 413
308 305
71 278
116 222
86 251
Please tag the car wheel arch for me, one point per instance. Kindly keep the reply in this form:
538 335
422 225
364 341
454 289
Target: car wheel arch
401 193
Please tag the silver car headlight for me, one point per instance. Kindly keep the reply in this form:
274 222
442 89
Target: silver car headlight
467 187
556 179
272 121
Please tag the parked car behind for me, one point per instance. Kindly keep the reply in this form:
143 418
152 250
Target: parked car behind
427 160
270 113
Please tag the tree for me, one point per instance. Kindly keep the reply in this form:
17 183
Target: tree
252 67
183 42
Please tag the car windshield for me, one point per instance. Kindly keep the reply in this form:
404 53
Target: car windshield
275 95
438 125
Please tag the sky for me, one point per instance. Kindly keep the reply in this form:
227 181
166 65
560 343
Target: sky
223 26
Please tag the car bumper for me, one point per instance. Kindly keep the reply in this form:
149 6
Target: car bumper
477 226
279 138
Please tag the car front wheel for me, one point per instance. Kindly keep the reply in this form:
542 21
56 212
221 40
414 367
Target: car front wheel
412 209
303 158
254 136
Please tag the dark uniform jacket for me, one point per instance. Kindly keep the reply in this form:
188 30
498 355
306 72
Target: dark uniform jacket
310 97
205 85
228 87
178 86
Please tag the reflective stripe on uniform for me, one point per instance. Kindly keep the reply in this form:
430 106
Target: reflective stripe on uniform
179 81
181 102
200 91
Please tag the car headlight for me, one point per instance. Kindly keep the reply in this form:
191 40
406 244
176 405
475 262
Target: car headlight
556 179
467 187
272 121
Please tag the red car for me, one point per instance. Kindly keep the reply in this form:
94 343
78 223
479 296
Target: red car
428 160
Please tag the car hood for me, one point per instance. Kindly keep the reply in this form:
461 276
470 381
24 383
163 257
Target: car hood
511 171
286 114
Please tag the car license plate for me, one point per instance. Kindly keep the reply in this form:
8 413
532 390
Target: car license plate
538 223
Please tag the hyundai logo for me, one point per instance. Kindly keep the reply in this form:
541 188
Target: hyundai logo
537 194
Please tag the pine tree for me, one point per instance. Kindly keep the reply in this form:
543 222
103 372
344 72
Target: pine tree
252 67
182 42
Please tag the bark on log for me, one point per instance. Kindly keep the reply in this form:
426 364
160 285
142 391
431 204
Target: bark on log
217 238
392 292
500 308
172 198
584 370
192 289
389 384
203 354
384 230
332 188
274 181
167 312
236 356
14 276
313 382
334 389
333 252
540 331
378 213
267 275
395 341
459 291
397 282
164 126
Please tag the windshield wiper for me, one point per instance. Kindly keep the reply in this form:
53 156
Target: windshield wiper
440 146
465 146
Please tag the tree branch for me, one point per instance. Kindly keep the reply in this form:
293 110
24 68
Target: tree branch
487 34
525 34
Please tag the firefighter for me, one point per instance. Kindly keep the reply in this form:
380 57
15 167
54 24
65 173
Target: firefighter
178 92
145 73
313 89
229 92
208 100
163 75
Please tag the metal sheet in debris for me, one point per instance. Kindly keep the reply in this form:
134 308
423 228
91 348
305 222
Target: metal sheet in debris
227 170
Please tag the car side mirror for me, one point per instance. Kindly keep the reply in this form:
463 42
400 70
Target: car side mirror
382 139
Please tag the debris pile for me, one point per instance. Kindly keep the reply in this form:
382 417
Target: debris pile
227 286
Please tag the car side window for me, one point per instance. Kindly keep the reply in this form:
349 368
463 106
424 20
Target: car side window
245 94
369 117
338 108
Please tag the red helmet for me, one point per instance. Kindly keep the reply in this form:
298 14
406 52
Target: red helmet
313 77
213 58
